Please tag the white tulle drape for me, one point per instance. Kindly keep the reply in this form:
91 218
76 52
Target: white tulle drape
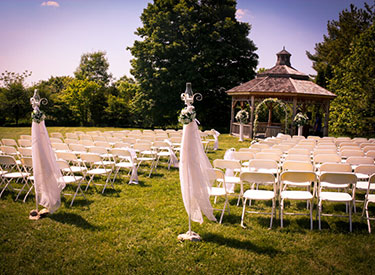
48 180
193 175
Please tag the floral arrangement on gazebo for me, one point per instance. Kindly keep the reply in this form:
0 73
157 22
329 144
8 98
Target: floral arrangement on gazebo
242 117
300 119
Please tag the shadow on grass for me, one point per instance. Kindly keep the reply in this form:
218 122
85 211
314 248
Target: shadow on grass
78 202
234 243
73 219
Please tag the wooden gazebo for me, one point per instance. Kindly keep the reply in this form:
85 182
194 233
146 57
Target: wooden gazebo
285 83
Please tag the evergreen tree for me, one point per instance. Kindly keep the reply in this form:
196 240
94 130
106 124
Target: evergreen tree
353 112
336 44
191 41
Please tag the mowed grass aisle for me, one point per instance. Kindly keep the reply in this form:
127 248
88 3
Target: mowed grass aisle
134 228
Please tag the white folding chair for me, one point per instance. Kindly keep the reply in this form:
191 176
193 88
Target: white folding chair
218 188
70 178
261 180
292 185
96 167
370 198
342 180
124 160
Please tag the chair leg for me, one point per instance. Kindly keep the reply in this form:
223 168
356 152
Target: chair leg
243 212
272 211
222 212
368 218
281 213
311 216
319 213
350 217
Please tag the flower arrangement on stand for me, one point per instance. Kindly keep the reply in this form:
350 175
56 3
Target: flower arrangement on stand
37 116
187 115
242 117
300 119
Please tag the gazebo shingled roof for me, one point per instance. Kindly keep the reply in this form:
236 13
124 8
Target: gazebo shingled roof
284 82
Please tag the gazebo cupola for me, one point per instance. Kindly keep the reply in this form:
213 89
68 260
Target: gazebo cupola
283 58
285 83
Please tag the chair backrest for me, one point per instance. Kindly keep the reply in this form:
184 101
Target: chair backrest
272 150
227 164
359 139
26 137
121 145
299 151
242 156
313 137
71 135
99 138
27 162
338 178
282 147
297 166
68 156
269 156
321 158
364 144
98 150
24 143
9 150
129 140
142 146
91 158
85 137
260 145
70 141
259 178
298 157
120 152
60 146
263 164
252 150
77 147
57 135
359 160
87 142
214 175
371 154
298 176
9 142
7 160
335 167
352 153
25 152
369 148
104 144
324 151
55 140
367 169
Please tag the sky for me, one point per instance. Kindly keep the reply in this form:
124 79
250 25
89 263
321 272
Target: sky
49 37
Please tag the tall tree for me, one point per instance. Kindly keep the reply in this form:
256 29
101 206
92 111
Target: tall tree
14 96
336 44
94 67
198 41
353 112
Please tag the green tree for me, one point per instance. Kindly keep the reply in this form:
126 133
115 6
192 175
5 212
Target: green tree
336 44
94 67
353 112
191 41
57 112
14 96
78 97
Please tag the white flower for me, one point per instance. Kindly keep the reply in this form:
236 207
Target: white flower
242 116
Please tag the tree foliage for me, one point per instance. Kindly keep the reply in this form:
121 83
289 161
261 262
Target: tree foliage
353 112
336 44
191 41
14 96
94 67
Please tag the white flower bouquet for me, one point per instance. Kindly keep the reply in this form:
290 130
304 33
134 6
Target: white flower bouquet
242 116
37 116
300 119
187 115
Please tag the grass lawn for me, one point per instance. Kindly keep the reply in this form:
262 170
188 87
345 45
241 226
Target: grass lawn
134 229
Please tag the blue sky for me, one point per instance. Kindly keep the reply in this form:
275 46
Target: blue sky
49 37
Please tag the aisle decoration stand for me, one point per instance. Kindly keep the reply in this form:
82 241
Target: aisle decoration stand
242 117
300 120
48 181
193 168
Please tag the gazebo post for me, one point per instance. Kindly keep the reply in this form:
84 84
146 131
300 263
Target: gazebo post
231 116
252 116
294 114
326 119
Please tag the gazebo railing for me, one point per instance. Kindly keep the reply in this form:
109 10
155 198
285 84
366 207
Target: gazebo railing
262 129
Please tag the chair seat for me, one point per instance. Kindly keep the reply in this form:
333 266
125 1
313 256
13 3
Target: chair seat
296 195
363 185
299 184
361 176
231 179
335 196
98 171
371 198
331 185
75 169
71 179
217 191
124 165
16 175
259 194
163 154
